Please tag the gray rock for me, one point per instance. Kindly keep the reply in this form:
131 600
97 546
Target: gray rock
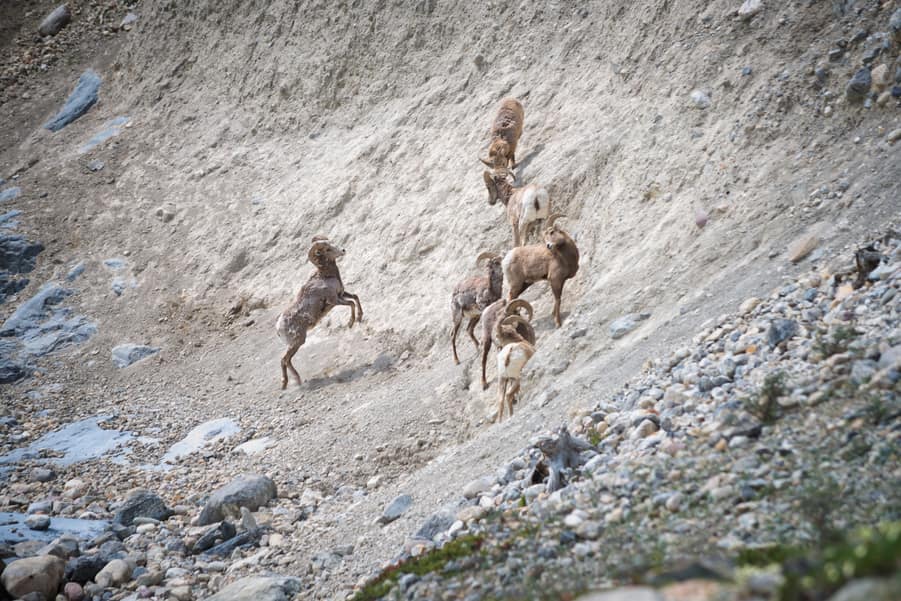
218 534
249 490
625 324
749 8
79 102
38 521
629 593
18 254
42 574
28 314
869 589
700 100
781 330
83 568
142 504
75 272
10 193
438 523
477 486
127 353
115 573
859 85
395 509
258 588
55 21
244 539
42 474
895 25
96 165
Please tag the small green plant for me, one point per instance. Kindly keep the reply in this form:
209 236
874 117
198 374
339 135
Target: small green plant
819 498
429 562
835 341
764 405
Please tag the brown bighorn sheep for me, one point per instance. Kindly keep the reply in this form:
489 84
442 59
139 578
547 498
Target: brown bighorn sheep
505 133
514 354
473 295
322 292
491 319
556 261
525 205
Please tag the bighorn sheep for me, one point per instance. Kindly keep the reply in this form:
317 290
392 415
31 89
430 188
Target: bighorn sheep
513 356
556 261
473 295
505 133
491 320
322 292
525 205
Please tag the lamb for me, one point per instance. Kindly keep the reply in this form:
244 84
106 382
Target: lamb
322 292
473 295
491 320
505 133
513 356
525 205
556 261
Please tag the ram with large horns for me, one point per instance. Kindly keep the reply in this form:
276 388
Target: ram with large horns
515 352
473 295
491 319
556 260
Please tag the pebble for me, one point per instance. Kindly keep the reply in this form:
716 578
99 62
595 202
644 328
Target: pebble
700 99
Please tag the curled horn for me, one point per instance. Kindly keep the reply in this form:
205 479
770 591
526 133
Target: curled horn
319 238
549 222
492 189
513 320
485 255
515 305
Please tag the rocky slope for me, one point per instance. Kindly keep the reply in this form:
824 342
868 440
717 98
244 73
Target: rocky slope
702 157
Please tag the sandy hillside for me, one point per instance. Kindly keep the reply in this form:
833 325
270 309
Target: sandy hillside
253 126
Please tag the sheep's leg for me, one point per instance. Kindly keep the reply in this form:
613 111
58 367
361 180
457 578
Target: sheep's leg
557 289
486 346
501 394
516 239
471 329
516 290
458 319
286 361
344 302
511 396
356 299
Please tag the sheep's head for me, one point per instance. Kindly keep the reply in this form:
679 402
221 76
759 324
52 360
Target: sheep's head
322 251
498 182
497 154
554 237
508 328
515 305
492 261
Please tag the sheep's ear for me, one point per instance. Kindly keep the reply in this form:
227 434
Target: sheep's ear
487 162
492 189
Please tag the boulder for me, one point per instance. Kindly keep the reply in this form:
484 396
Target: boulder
79 102
126 354
395 509
142 504
55 21
258 588
42 574
248 490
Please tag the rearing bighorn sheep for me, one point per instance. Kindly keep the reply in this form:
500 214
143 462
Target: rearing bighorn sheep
525 205
513 356
491 320
505 133
473 295
556 261
322 292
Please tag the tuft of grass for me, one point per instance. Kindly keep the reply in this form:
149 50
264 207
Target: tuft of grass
764 405
834 342
432 561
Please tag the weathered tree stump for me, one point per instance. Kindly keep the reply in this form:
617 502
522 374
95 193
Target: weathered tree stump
561 452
